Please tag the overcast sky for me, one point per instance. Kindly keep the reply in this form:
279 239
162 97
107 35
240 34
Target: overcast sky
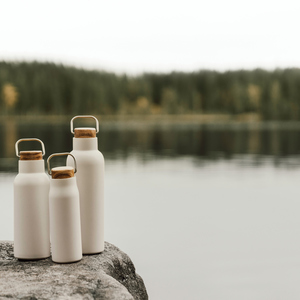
134 36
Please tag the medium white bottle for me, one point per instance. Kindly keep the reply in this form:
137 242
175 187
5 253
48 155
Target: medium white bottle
90 182
65 231
31 205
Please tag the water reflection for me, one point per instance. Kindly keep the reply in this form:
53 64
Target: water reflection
202 142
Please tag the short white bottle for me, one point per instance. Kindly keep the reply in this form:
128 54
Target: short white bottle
90 181
31 205
65 231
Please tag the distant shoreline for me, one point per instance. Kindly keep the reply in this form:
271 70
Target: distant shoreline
147 118
145 122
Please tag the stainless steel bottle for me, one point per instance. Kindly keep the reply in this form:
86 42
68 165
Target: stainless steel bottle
65 231
90 181
31 205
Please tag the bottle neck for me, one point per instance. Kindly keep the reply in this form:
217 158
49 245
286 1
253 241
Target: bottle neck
31 166
63 182
85 143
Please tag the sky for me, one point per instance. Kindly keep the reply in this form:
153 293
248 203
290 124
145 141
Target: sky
152 36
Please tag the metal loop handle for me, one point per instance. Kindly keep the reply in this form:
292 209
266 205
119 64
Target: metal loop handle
85 116
60 154
26 140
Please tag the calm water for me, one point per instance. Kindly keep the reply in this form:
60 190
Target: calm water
205 212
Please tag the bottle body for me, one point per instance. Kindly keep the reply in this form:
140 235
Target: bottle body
31 211
90 182
65 220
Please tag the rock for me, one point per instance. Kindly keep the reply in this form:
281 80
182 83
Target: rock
109 275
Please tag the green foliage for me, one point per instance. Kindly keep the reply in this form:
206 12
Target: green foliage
46 88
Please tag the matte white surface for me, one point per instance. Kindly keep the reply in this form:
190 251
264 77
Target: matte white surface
31 211
65 220
90 182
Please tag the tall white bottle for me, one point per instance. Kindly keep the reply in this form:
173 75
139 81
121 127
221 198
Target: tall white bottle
31 205
90 182
65 231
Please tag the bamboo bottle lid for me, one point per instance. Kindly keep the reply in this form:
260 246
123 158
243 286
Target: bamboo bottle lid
31 155
85 132
62 172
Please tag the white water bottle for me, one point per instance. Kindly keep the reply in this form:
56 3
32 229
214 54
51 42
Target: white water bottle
31 205
65 231
90 181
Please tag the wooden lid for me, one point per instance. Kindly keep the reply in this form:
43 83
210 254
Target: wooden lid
62 172
31 155
85 132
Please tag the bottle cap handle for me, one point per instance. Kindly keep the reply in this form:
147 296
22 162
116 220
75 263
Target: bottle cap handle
26 140
60 154
84 116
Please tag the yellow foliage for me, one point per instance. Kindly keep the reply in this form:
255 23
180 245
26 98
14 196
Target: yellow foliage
155 109
142 103
9 95
254 94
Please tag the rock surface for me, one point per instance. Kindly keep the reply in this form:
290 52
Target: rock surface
109 275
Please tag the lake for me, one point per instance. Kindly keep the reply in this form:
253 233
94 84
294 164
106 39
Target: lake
204 211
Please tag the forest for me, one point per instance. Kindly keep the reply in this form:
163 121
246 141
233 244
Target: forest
30 88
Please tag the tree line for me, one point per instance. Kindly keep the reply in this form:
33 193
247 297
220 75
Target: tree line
47 88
